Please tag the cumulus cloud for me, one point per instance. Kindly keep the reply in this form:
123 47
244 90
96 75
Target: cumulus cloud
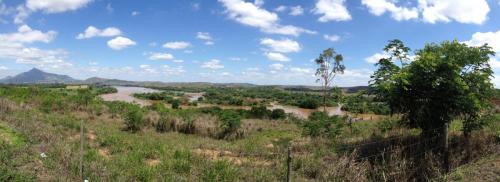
160 56
47 6
331 10
283 45
433 11
177 45
92 31
135 13
332 38
462 11
275 56
212 64
120 43
379 7
15 46
170 70
296 10
25 34
490 38
253 15
280 8
376 57
56 6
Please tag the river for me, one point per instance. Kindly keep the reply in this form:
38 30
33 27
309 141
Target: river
126 94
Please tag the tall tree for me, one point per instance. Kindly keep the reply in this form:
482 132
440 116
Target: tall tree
330 64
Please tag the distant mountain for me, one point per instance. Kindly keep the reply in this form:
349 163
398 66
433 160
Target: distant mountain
37 76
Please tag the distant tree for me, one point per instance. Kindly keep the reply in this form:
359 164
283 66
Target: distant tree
134 118
330 64
278 114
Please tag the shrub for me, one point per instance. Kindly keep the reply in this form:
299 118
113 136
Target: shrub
387 125
309 103
134 118
176 104
163 124
230 121
319 124
278 114
259 112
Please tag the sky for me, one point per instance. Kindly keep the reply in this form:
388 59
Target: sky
259 41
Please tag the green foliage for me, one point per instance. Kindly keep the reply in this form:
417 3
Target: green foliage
309 103
259 112
134 118
230 121
176 104
278 114
445 81
330 64
387 125
319 124
219 171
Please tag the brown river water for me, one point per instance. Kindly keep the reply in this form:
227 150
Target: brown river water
126 94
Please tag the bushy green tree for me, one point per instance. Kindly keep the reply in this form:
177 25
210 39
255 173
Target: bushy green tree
308 103
176 104
230 121
446 81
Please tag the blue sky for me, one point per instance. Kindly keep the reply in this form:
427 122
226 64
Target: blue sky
262 41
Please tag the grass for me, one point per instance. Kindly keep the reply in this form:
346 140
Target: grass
486 169
11 137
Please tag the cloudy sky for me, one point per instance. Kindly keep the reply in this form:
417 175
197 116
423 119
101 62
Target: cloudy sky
258 41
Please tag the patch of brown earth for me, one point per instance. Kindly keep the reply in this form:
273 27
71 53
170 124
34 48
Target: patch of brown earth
229 156
104 152
152 162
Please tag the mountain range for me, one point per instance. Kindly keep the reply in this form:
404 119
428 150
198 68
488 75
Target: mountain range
37 76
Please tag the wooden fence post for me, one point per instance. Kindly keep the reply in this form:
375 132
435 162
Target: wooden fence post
446 151
289 165
82 137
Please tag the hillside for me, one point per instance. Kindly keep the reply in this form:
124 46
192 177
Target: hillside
37 76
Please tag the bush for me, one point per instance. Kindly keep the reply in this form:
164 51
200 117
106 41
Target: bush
387 125
134 118
259 112
230 121
308 103
319 124
176 104
278 114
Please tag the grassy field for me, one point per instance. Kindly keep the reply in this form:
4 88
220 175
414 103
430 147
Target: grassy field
40 137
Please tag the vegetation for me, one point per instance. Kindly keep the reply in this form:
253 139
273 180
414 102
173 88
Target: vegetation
40 128
330 64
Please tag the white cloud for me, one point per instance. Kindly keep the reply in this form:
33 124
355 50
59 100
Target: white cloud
212 64
177 45
22 14
332 38
296 10
280 8
206 37
56 6
491 38
331 10
379 7
276 66
169 70
147 68
92 31
120 43
3 68
301 70
275 56
25 34
178 61
376 57
462 11
251 14
135 13
258 2
203 36
160 56
283 45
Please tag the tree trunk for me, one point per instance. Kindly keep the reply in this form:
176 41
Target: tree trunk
468 148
